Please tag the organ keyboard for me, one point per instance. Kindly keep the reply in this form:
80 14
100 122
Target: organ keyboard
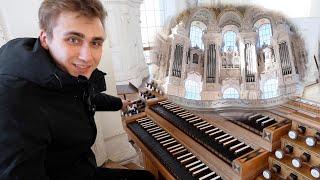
269 126
216 140
229 156
182 163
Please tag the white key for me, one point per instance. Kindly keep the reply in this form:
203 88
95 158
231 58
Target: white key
211 130
186 116
225 139
173 154
183 113
235 146
147 122
178 110
160 135
207 175
253 116
194 120
157 133
196 167
188 119
142 120
169 107
202 125
176 149
148 126
264 122
163 137
261 119
205 127
231 141
187 159
154 129
163 134
215 178
200 170
199 123
168 143
193 163
175 146
185 155
165 141
222 136
213 133
242 149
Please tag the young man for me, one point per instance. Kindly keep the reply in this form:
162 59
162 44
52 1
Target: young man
50 88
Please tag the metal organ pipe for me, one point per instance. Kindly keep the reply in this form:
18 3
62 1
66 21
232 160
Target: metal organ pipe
177 63
285 59
249 49
211 67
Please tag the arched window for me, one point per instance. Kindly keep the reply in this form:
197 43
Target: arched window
231 93
270 89
196 32
153 15
229 40
265 34
193 87
263 27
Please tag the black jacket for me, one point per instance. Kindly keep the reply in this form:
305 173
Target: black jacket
46 115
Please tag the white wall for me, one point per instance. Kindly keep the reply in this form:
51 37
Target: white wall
20 20
309 28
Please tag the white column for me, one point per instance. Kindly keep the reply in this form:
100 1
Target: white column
123 24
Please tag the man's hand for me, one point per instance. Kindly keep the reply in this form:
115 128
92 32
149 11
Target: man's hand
125 103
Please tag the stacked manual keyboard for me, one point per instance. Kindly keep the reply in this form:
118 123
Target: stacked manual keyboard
214 139
181 163
256 122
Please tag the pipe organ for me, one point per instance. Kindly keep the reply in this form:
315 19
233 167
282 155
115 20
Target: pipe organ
177 62
168 62
211 64
285 59
250 59
246 66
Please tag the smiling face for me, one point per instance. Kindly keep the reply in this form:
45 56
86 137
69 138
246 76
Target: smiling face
76 43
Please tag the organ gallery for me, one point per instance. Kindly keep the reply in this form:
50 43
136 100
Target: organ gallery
224 102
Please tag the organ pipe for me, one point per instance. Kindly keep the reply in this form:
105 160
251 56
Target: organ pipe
211 64
177 63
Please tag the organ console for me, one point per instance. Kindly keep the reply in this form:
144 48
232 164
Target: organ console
299 156
179 144
213 152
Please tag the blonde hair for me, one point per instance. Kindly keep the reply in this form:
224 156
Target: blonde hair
51 9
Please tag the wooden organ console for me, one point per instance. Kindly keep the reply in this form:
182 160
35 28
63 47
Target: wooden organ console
178 144
299 154
270 127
